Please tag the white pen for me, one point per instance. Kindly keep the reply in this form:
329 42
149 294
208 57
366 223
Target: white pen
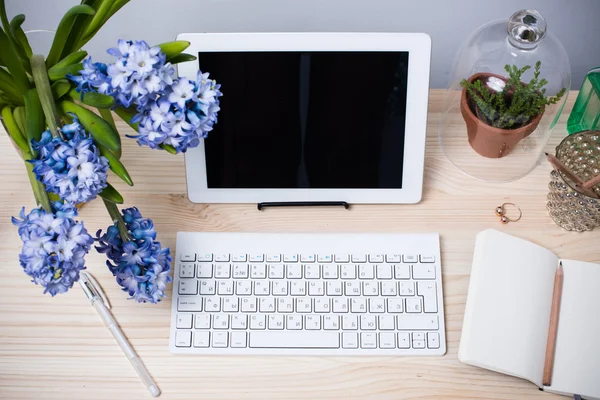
94 292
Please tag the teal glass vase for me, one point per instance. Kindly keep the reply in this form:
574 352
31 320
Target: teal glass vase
585 115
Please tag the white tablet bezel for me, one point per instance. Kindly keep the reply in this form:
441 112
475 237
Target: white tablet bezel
418 45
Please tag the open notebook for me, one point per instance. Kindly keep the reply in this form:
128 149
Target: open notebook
507 315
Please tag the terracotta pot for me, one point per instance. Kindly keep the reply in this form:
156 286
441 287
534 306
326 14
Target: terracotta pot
485 139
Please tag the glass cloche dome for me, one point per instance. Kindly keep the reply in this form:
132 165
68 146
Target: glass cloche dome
507 89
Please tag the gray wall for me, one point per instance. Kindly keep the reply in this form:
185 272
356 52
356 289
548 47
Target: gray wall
575 22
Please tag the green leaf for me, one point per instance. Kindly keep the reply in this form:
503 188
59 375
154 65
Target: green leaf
36 123
101 16
39 191
93 99
109 193
80 24
19 35
11 60
8 88
63 30
100 130
59 73
168 148
42 83
116 166
184 57
19 114
171 49
13 129
127 116
60 88
70 59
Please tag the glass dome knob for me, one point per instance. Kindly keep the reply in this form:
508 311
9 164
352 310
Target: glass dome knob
526 29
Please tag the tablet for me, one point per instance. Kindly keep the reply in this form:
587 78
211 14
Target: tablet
312 117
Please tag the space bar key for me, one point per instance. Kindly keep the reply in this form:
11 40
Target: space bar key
295 340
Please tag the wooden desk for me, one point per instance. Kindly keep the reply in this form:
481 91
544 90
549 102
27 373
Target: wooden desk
57 348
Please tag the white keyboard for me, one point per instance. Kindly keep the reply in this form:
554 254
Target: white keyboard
307 294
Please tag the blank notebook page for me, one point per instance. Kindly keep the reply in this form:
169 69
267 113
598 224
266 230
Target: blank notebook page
577 357
508 306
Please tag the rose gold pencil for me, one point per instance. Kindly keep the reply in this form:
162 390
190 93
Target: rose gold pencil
553 330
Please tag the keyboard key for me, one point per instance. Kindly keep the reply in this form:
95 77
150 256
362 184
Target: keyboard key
329 271
376 258
184 321
212 304
208 287
201 339
304 305
256 258
383 271
353 288
418 336
205 271
231 304
189 303
368 322
324 258
403 340
395 305
376 305
275 271
410 258
389 288
238 339
279 288
350 340
312 322
187 270
273 258
267 305
262 288
366 271
322 305
348 271
413 305
258 271
334 288
433 340
219 339
248 304
307 258
386 340
293 271
368 340
258 321
188 286
423 322
418 344
290 258
187 257
285 305
316 288
202 321
312 271
427 258
204 257
342 258
225 288
222 271
423 271
222 257
358 305
370 288
331 322
239 321
340 305
239 257
386 322
359 258
243 288
298 288
393 258
429 292
406 288
183 339
350 322
240 271
221 321
401 271
294 322
294 340
276 322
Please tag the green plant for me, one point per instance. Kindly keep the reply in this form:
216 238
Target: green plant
516 103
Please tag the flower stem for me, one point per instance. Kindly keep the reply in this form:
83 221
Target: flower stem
40 78
41 197
117 218
106 115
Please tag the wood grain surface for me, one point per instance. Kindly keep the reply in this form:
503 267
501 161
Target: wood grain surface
58 348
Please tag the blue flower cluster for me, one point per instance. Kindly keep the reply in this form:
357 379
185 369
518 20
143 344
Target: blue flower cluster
72 168
185 113
176 112
54 246
140 265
